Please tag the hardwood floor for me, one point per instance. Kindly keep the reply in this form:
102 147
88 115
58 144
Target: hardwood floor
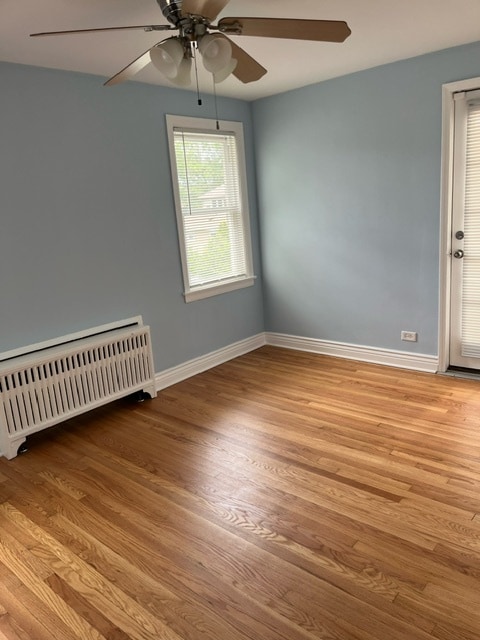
280 496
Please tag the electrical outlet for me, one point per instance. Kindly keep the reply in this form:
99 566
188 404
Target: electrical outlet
409 336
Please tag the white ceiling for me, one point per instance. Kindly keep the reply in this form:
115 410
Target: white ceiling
382 31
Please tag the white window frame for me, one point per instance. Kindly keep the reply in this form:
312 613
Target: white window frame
198 292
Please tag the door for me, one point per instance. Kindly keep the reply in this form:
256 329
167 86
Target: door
465 254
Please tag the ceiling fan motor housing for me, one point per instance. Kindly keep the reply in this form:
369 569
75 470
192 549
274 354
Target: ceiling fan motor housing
172 10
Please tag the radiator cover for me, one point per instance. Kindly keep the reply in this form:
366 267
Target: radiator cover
49 386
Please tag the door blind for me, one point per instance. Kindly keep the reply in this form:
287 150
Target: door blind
471 261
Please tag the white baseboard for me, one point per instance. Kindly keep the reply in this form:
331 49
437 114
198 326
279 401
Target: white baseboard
400 359
183 371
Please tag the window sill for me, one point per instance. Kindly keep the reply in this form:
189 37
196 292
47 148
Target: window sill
218 289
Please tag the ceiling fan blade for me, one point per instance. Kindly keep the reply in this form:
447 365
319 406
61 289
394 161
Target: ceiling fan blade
130 70
321 30
247 69
206 8
150 27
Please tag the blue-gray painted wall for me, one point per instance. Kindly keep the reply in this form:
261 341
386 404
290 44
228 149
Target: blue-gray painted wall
348 177
348 174
87 220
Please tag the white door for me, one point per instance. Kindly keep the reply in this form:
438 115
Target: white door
465 258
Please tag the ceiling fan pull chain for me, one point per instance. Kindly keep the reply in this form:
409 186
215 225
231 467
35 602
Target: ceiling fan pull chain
199 100
215 101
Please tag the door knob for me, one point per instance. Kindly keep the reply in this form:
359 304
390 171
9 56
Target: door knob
458 254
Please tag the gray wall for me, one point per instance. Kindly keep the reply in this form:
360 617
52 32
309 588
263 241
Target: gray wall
348 174
87 220
349 194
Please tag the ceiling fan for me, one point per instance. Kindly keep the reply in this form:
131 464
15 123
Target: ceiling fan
193 19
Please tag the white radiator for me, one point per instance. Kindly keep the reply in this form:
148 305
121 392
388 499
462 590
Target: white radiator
49 386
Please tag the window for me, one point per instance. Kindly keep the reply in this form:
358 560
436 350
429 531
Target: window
208 172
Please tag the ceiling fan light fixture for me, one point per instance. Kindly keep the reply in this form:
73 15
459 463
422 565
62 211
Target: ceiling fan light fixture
216 52
167 57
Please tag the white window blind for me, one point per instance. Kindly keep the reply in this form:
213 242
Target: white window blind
471 262
211 207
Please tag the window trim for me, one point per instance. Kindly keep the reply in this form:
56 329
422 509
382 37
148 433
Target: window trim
205 125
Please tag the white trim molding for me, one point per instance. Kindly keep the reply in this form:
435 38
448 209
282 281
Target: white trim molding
399 359
391 358
190 368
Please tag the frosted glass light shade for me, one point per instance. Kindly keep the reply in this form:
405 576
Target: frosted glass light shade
216 52
223 74
183 77
167 57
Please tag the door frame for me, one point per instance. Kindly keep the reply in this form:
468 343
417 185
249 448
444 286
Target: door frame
446 202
